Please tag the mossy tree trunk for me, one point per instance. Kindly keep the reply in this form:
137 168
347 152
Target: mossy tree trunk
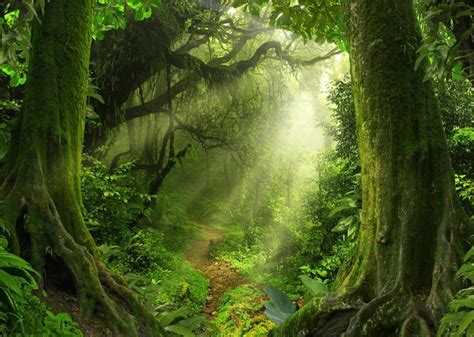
40 195
409 248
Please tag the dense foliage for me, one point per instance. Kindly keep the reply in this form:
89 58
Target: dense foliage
220 188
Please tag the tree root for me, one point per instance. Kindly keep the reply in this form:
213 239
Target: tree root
145 319
384 315
323 312
395 313
96 287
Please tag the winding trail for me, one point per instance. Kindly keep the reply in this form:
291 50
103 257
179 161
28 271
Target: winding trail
222 277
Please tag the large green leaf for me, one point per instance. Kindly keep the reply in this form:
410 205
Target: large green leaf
166 318
467 271
469 254
315 287
180 330
467 302
10 283
280 307
466 322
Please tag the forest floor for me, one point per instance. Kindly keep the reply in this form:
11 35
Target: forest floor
222 277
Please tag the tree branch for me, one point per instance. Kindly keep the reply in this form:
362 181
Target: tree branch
203 70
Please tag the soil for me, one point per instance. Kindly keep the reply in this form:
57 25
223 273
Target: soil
222 277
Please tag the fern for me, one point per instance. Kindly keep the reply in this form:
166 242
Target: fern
16 275
459 322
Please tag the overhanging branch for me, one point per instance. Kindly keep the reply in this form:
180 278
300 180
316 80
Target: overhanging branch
217 73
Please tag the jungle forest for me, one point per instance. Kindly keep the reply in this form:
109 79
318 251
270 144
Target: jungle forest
228 168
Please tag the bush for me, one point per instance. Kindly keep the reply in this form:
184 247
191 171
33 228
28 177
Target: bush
111 200
459 322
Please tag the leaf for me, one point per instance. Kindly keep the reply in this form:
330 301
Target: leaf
97 97
467 302
315 287
467 271
134 4
3 243
466 322
180 330
469 254
11 283
166 318
343 224
279 307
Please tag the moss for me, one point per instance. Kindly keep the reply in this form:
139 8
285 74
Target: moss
402 148
409 242
44 161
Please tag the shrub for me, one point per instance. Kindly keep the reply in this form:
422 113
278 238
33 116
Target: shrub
459 321
111 200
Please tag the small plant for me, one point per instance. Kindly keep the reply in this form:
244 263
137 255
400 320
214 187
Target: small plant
60 325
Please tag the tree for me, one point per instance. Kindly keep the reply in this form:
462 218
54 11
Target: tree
404 272
40 196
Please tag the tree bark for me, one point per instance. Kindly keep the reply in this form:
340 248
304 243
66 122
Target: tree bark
40 198
409 246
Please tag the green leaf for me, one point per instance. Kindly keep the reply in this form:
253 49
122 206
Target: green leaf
11 283
467 302
134 4
180 330
166 318
343 225
467 272
279 307
469 254
315 287
466 322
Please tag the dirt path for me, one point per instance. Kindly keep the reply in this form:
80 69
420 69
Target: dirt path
222 276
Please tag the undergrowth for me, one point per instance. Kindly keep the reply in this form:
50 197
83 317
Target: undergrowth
240 313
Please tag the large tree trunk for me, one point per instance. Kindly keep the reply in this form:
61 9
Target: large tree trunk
404 272
41 196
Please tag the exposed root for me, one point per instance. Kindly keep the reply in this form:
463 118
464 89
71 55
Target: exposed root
83 267
148 323
96 288
397 313
321 313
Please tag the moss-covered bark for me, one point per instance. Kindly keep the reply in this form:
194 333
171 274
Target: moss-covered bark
403 274
41 196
